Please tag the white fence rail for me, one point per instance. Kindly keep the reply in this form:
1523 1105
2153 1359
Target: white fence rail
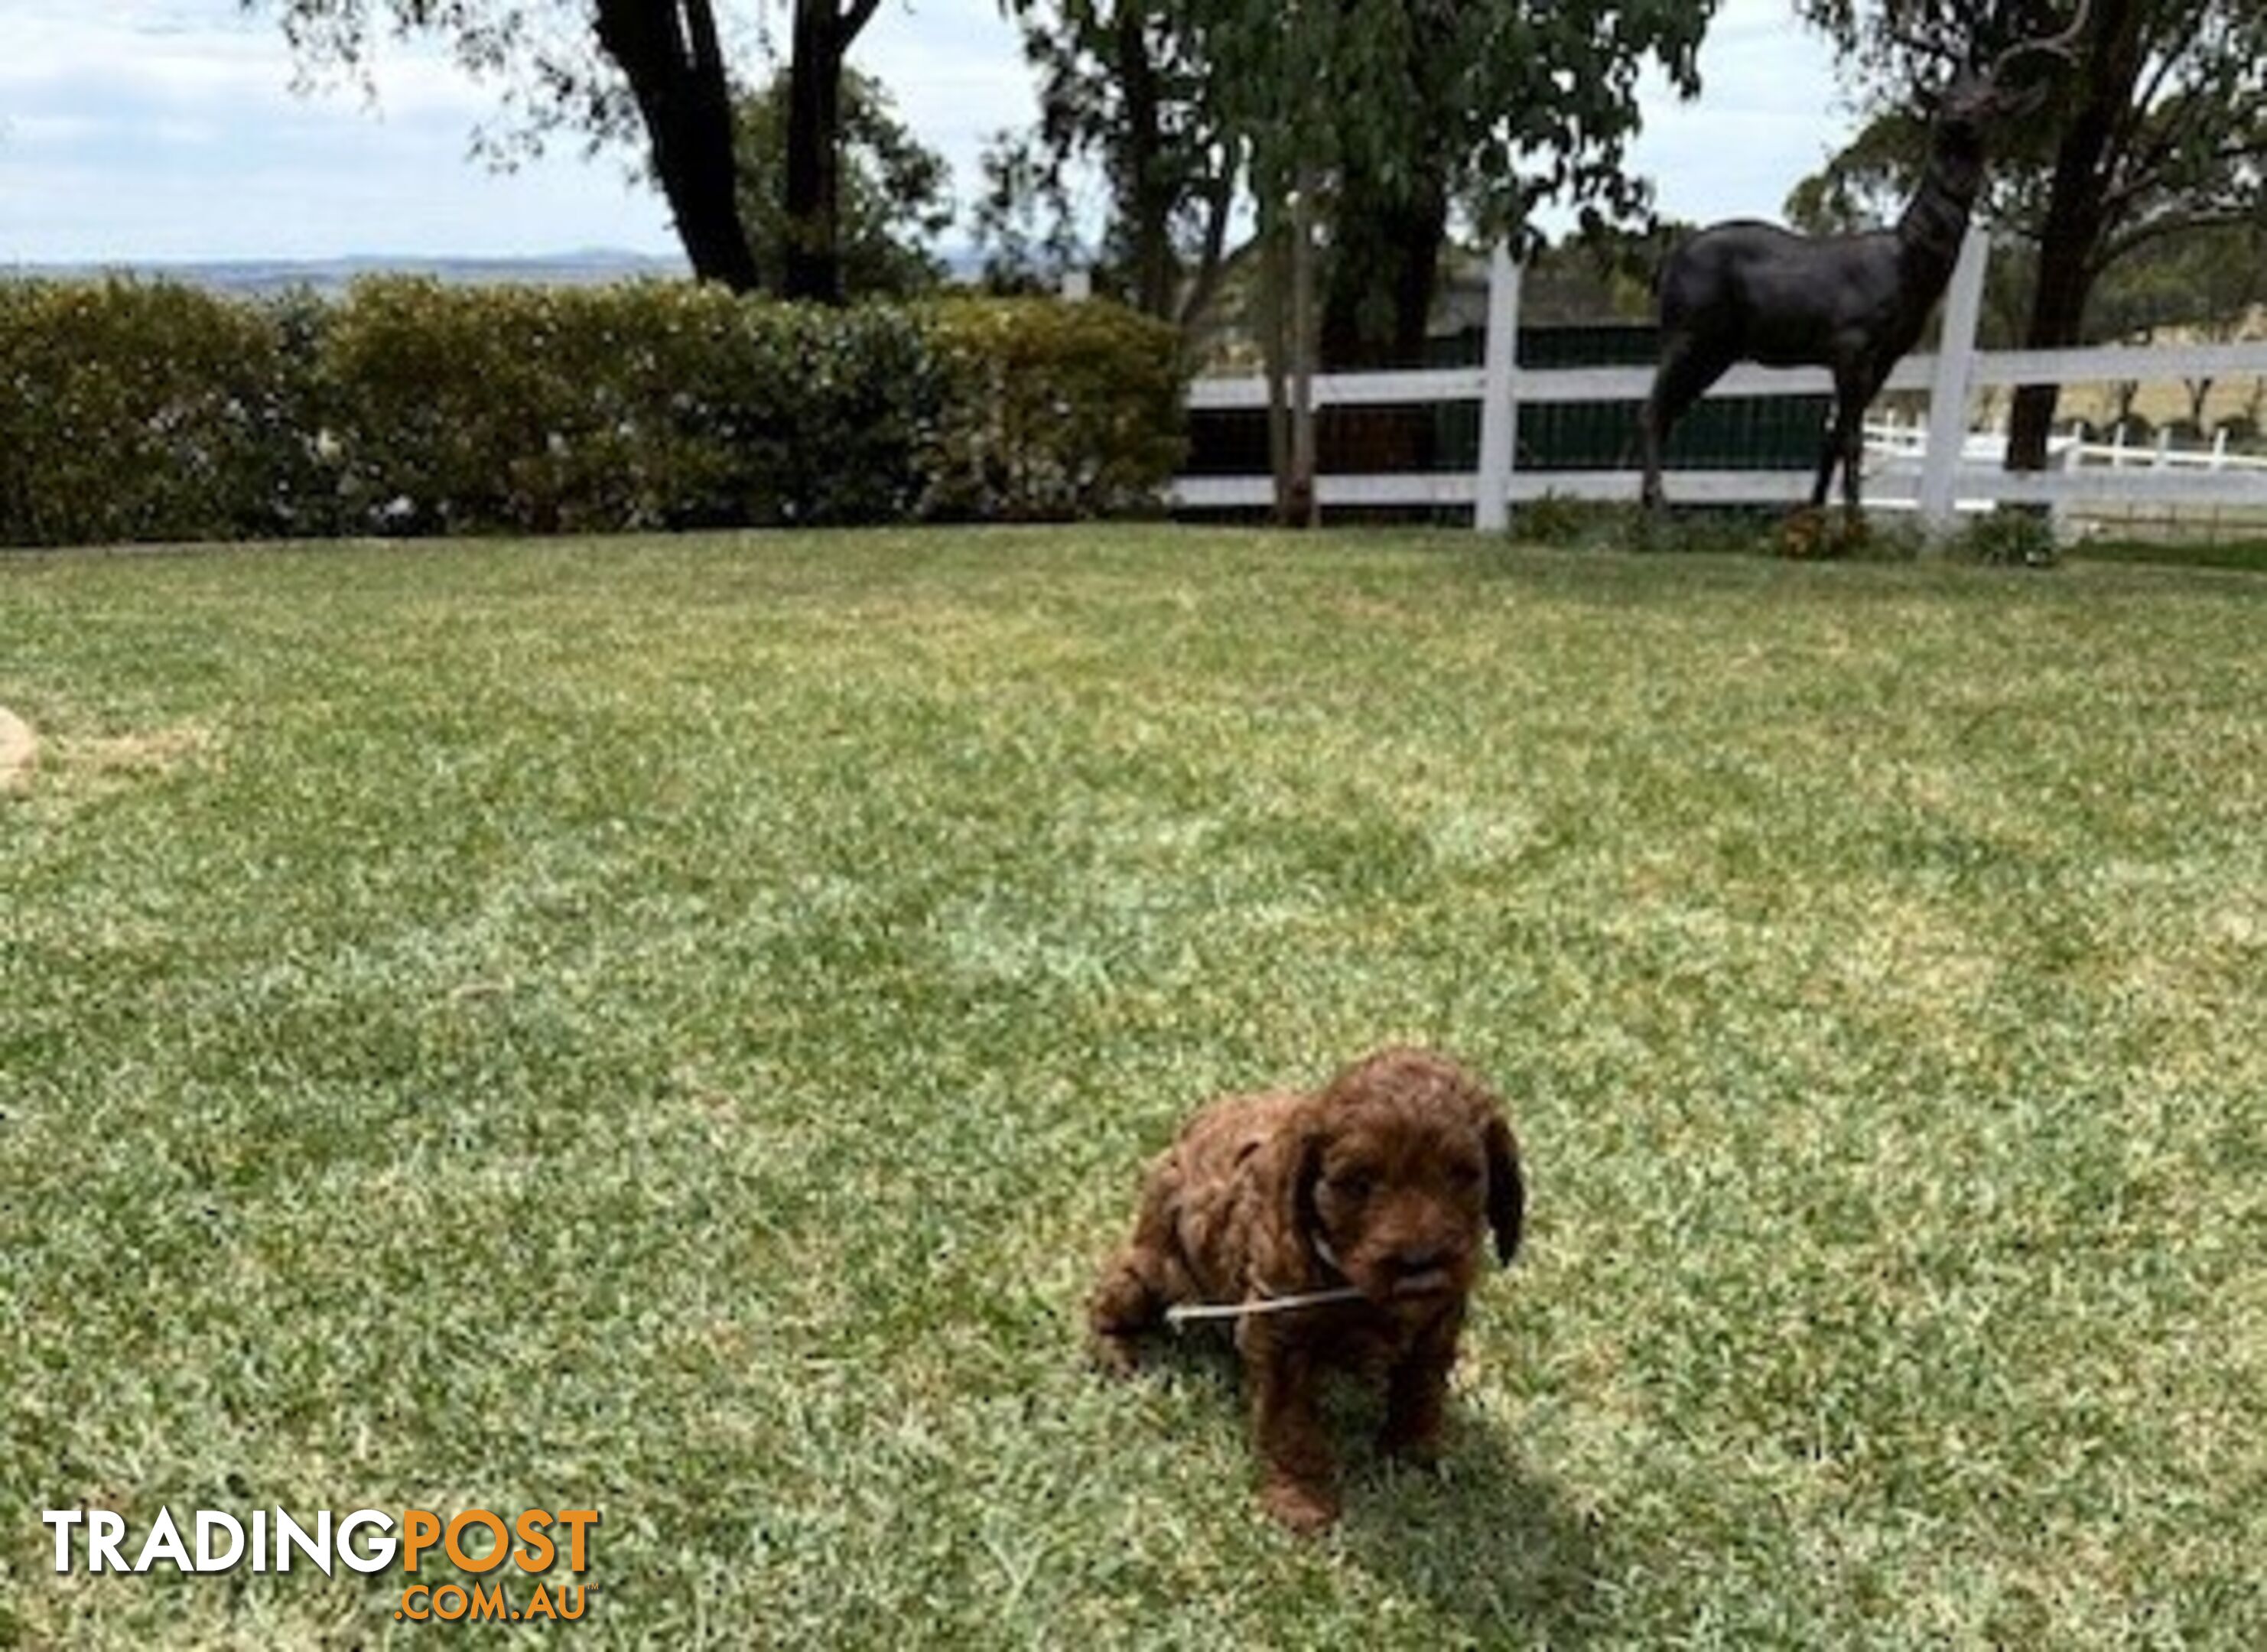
1945 471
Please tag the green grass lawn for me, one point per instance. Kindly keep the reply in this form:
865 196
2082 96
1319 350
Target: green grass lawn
2247 554
671 1026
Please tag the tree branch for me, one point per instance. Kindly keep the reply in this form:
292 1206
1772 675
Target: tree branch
2164 227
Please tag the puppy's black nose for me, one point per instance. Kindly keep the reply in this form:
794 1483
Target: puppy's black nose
1420 1258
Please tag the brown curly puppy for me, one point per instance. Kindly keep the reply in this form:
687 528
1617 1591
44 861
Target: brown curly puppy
1386 1180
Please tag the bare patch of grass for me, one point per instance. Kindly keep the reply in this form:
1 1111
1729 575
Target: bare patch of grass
19 747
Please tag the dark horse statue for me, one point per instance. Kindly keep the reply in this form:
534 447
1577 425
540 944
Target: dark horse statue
1747 290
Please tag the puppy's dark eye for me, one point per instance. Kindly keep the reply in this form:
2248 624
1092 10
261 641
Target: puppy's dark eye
1353 1186
1466 1175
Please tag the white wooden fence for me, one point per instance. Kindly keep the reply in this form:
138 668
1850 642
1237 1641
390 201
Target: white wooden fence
1940 476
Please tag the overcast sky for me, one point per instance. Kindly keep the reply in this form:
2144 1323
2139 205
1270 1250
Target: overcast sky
155 130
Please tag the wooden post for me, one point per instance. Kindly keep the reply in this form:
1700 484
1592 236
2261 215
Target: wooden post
1304 506
1499 394
1948 392
1275 352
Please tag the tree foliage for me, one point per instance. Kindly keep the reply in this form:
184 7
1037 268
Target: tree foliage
652 71
1024 222
1124 84
1866 183
1398 113
894 196
1356 129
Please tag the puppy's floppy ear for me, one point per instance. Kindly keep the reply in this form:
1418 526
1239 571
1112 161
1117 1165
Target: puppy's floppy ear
1506 1192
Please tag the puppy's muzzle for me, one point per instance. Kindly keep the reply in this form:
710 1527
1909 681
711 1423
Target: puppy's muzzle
1423 1271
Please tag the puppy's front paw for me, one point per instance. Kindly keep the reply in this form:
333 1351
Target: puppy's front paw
1113 1353
1305 1508
1417 1449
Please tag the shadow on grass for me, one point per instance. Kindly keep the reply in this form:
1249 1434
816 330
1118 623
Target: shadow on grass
1484 1538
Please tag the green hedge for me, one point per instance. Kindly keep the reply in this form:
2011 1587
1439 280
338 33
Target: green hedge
131 410
1052 409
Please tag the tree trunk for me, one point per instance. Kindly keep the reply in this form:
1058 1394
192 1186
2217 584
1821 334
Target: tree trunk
2067 248
813 268
1386 230
1219 197
814 124
1276 348
1146 196
2070 242
1385 264
668 51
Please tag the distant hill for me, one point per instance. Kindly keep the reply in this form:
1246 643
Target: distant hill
589 267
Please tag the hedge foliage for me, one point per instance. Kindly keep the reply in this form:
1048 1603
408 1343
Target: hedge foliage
136 410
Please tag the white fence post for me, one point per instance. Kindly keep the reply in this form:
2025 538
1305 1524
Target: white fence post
1947 392
2058 512
1498 406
